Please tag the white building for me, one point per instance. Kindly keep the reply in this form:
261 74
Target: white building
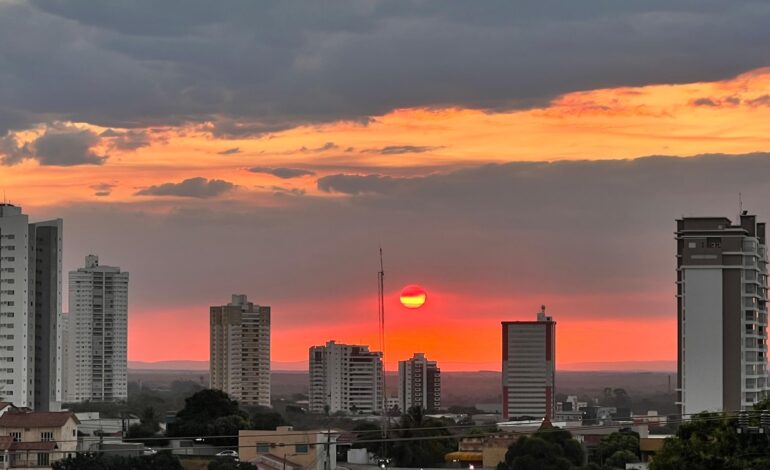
419 384
529 368
96 332
30 310
722 313
240 350
345 378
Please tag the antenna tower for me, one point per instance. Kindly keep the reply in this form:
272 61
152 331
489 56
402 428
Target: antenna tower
381 301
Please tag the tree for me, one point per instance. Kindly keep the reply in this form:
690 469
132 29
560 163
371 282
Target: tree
366 431
425 441
711 441
265 419
620 458
147 428
622 441
547 449
210 413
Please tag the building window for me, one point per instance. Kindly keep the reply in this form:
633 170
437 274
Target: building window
263 447
300 448
16 436
43 459
46 436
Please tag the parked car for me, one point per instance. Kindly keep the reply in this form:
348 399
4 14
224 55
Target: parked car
149 451
228 453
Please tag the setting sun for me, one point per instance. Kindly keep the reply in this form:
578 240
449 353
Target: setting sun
413 296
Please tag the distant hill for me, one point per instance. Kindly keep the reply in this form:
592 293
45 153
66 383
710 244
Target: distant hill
204 365
301 366
169 365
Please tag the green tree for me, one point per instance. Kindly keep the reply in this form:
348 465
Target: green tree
147 429
620 458
547 449
366 431
265 419
210 413
424 441
711 441
622 441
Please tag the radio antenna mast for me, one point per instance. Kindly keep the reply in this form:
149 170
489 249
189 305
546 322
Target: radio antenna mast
381 300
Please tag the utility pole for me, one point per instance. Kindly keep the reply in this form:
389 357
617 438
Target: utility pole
328 462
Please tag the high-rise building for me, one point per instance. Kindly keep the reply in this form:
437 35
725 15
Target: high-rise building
529 368
96 331
240 351
345 378
30 310
722 313
419 384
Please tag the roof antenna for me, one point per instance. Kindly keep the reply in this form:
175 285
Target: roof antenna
740 206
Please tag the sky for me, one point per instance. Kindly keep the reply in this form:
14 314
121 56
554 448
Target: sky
504 154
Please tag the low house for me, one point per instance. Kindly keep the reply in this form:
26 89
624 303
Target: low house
285 449
35 439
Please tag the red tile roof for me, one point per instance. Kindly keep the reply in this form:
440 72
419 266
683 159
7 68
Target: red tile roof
35 419
5 442
49 445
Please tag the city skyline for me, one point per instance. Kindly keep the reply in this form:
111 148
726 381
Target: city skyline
539 157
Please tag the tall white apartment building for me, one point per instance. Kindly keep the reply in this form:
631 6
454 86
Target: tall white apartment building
30 310
529 368
419 384
96 332
345 378
722 313
240 350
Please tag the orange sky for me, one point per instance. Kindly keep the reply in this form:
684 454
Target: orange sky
731 116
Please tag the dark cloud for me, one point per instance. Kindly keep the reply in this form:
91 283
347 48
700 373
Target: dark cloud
727 101
763 100
127 140
401 149
102 189
11 152
230 151
67 146
283 173
705 102
247 69
198 187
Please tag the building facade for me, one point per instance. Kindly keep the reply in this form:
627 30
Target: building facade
287 449
419 384
721 313
30 310
345 378
96 332
529 368
240 350
37 439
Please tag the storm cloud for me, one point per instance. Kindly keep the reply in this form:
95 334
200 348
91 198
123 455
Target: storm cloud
266 66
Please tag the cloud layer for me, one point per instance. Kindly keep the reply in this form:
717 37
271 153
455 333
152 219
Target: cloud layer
253 68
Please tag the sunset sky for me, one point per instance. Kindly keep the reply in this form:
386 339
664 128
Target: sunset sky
503 154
